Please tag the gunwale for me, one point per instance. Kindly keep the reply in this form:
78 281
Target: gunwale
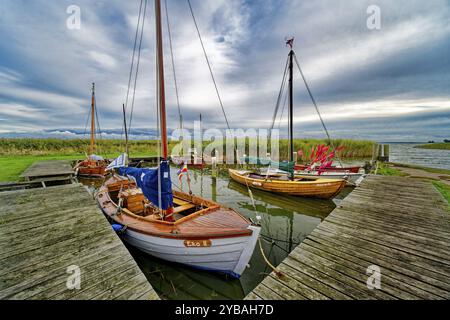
208 223
314 187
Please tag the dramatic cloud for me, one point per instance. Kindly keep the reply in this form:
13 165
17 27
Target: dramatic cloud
388 84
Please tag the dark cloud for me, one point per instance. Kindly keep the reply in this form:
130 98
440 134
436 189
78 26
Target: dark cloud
388 84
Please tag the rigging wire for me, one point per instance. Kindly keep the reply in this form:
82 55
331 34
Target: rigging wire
132 62
282 110
137 67
317 108
209 65
280 93
173 64
134 53
99 131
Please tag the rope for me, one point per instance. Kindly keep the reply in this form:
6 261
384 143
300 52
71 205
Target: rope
137 67
317 108
274 269
209 65
173 64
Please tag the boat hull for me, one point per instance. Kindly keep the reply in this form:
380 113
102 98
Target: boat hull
317 188
91 169
348 176
215 238
224 255
300 167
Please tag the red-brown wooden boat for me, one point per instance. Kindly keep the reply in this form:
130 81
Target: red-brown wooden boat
301 167
93 166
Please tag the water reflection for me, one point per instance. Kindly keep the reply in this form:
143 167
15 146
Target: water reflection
285 221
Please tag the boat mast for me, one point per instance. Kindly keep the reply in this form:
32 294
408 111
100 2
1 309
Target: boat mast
161 92
91 149
291 105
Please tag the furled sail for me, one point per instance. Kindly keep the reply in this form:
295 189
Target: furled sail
154 182
284 165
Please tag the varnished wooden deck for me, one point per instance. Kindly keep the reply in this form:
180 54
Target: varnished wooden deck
44 231
398 224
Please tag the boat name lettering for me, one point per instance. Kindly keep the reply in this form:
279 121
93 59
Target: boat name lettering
197 243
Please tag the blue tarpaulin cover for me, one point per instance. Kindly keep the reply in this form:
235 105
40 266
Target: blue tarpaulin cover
147 180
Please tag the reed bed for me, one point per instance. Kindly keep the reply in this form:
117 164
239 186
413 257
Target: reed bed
66 147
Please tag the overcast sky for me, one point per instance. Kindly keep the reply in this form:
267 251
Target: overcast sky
390 84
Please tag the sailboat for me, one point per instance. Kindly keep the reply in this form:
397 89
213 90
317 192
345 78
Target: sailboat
94 165
172 225
286 182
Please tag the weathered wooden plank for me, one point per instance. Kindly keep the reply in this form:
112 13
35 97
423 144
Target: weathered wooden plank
299 287
42 284
398 224
326 277
386 229
41 235
283 290
267 293
48 168
394 268
253 296
392 283
392 241
395 222
315 285
337 271
440 271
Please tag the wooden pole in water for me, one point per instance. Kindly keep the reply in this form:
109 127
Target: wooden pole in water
161 90
91 149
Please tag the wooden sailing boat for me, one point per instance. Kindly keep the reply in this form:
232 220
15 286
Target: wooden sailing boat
288 183
93 166
172 225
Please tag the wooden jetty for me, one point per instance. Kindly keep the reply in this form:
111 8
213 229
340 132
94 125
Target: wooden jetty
399 225
49 171
46 233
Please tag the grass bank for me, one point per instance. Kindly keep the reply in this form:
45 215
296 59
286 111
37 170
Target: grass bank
444 189
427 169
440 146
386 169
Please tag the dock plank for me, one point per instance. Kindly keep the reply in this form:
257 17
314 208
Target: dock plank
39 242
399 224
48 168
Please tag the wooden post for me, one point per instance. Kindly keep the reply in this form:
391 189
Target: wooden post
214 171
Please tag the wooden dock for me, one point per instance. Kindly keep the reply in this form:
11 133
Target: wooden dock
399 225
47 231
53 171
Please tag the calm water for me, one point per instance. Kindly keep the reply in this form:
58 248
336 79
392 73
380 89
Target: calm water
287 220
406 153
